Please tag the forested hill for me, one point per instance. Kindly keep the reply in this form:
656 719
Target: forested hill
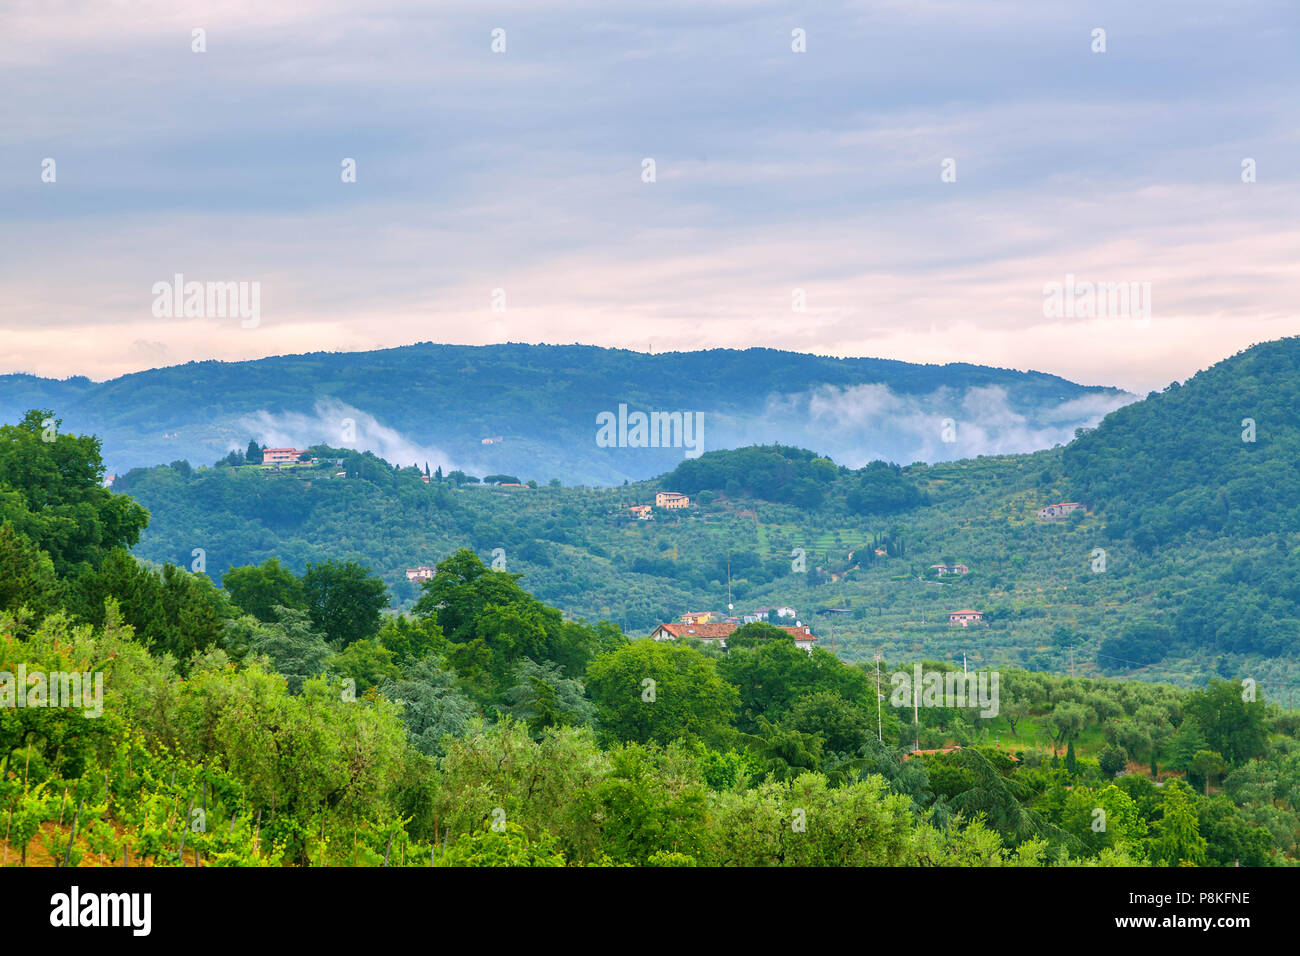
852 549
1220 452
539 404
303 726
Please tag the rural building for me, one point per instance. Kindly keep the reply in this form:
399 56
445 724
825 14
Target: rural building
641 512
280 456
420 574
966 618
700 617
671 499
762 614
949 569
1054 512
802 634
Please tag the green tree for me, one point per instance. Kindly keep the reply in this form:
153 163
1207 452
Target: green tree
1177 838
507 846
773 674
543 697
294 650
1232 726
1112 760
260 589
51 491
658 691
27 577
344 601
1207 764
367 663
843 725
1103 818
433 707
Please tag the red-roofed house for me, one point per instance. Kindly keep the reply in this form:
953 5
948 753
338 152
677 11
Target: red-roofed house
803 635
280 456
966 618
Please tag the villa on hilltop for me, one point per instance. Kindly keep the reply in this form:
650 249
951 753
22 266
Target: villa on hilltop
671 499
281 456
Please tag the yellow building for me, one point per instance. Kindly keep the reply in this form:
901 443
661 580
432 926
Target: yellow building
671 499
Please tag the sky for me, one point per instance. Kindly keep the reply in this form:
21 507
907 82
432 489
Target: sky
907 186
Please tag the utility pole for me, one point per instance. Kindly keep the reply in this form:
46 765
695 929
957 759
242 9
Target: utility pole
916 710
1072 661
728 580
880 734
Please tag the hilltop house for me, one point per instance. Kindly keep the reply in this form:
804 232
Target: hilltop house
671 499
641 512
802 634
966 617
280 456
1057 511
949 569
420 574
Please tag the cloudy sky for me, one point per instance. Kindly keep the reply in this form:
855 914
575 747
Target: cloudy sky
774 170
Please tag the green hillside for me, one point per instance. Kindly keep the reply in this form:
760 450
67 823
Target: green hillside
1088 592
286 720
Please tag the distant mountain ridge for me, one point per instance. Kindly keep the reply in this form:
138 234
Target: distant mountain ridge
438 403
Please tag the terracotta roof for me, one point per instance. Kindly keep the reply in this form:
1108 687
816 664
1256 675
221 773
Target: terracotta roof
965 611
723 630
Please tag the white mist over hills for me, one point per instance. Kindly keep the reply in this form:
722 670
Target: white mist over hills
340 425
540 406
857 424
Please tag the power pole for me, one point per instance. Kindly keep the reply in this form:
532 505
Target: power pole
880 734
728 580
1071 661
916 710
